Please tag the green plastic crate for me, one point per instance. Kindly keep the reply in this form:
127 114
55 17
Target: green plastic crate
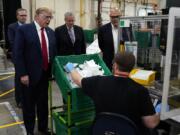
81 123
78 98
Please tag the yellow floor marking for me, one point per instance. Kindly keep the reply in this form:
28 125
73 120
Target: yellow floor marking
12 124
7 92
4 78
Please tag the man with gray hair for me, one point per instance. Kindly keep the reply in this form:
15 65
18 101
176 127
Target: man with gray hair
69 37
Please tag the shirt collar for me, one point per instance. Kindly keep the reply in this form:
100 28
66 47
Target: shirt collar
38 27
113 27
72 28
19 23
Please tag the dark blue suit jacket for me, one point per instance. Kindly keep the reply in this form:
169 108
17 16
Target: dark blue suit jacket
28 57
64 44
12 28
12 33
106 43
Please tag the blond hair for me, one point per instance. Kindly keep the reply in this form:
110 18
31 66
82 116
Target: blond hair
42 9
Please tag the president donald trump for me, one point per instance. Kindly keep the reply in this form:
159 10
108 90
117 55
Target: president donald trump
35 48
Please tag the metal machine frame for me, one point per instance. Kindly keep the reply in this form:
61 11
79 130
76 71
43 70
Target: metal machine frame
173 14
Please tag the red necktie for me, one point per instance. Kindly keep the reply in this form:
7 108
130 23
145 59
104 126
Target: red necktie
44 50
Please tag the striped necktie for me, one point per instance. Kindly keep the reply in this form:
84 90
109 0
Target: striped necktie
71 35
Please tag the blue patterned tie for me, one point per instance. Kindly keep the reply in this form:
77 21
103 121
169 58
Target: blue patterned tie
71 34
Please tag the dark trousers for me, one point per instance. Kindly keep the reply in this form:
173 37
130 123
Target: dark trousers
35 103
18 92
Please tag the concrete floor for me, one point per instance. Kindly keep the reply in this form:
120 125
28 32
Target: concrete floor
11 121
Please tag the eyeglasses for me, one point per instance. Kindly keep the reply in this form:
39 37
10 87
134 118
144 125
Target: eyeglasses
46 17
114 17
23 15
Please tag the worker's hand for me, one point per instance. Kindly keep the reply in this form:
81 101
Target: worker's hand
69 67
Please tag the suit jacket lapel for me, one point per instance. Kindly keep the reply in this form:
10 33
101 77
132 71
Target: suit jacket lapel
111 34
17 25
36 37
67 34
75 34
50 41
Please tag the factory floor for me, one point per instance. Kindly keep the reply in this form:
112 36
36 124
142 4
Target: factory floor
11 122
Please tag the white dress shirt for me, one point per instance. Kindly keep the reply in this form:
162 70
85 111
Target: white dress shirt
38 28
115 38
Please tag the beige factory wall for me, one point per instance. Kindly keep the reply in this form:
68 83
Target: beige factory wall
26 5
162 4
81 9
85 10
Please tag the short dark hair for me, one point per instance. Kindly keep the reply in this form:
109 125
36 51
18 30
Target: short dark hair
125 61
20 9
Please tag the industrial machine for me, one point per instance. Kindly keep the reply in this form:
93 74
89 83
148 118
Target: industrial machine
160 51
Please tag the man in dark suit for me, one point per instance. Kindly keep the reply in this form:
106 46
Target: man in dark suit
21 15
69 37
35 49
109 36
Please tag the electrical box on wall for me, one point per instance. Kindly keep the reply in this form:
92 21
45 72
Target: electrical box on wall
124 23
